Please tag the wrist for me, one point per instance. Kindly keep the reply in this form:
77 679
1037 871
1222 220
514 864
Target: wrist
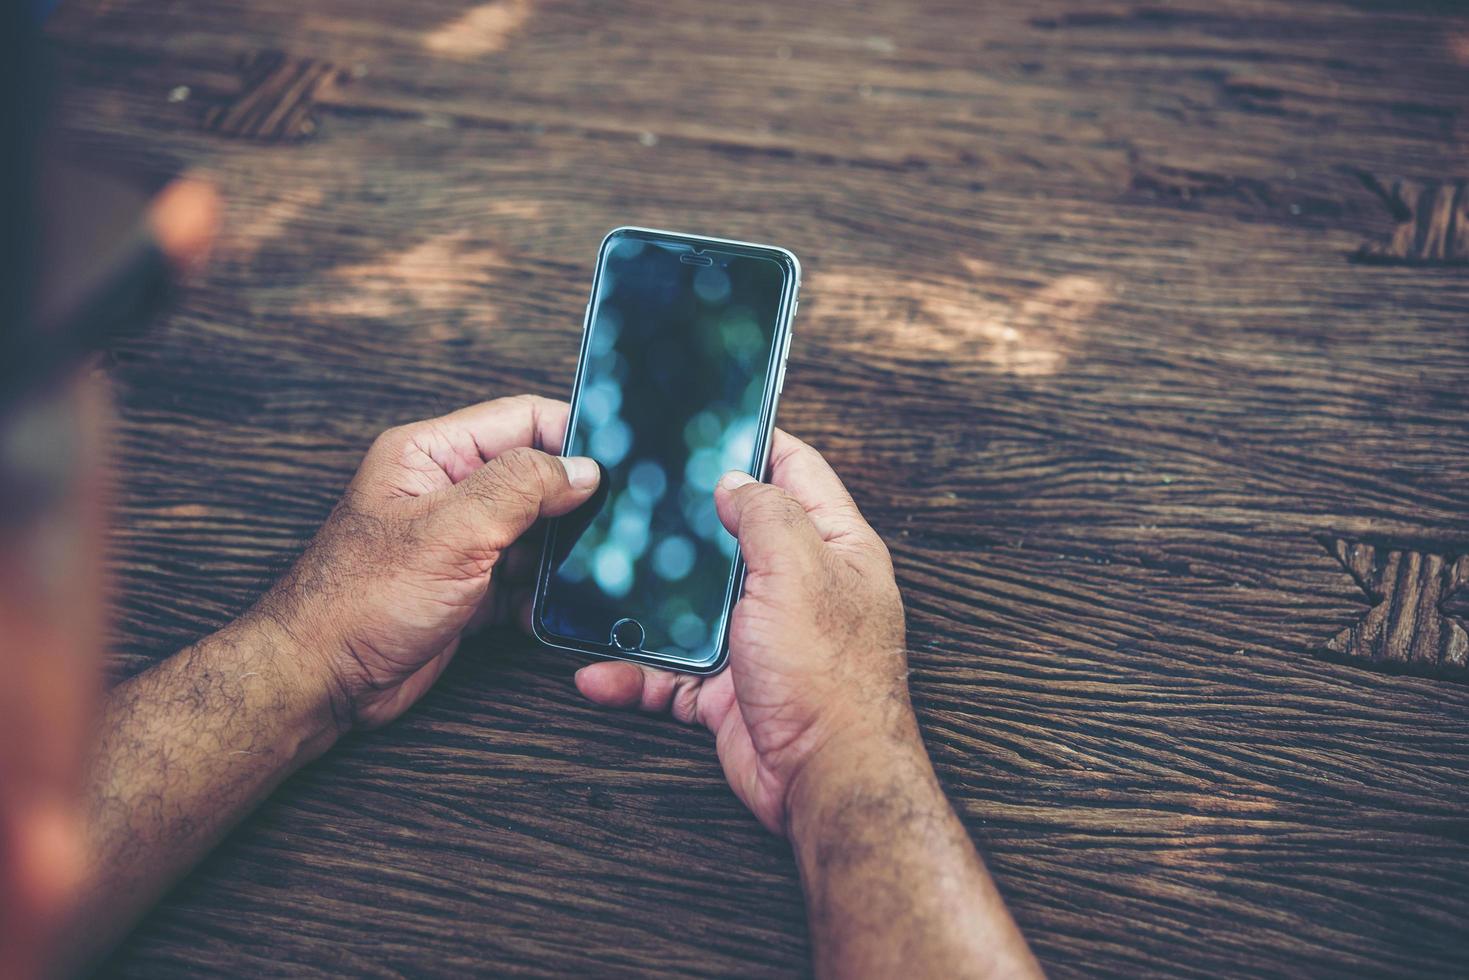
854 771
883 857
304 681
310 648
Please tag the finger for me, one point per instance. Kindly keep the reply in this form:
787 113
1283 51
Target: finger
616 684
503 498
613 684
503 424
456 445
773 528
806 475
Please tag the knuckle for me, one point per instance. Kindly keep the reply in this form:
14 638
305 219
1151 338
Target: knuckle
770 505
686 699
752 626
516 479
518 473
499 489
515 401
878 550
386 452
540 402
523 462
658 691
805 450
391 440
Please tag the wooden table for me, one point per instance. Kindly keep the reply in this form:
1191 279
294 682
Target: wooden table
1139 331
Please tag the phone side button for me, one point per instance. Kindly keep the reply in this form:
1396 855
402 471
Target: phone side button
780 379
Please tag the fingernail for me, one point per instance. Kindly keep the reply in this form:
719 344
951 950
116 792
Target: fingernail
581 471
735 479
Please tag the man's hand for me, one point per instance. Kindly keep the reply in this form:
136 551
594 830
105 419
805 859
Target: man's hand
817 661
421 547
817 736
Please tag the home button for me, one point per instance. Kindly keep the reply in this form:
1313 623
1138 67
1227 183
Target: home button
627 634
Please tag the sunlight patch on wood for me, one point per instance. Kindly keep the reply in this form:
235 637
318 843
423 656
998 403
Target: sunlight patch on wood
446 273
184 511
481 30
511 208
1021 330
252 225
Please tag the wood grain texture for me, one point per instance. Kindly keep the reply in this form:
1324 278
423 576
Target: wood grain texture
1083 330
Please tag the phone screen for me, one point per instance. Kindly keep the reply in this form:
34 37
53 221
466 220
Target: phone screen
676 382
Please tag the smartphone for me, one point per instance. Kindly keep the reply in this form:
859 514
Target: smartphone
682 362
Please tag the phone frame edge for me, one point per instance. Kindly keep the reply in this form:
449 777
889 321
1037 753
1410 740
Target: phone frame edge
769 407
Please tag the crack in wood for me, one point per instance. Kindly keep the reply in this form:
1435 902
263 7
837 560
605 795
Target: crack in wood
1411 626
277 95
1433 222
1185 185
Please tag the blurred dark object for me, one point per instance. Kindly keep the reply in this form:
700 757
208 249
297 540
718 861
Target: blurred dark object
20 127
80 265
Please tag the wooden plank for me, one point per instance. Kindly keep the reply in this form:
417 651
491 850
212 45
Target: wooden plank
1085 329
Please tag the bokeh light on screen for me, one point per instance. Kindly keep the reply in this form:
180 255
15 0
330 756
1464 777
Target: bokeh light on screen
602 340
600 401
610 442
689 631
612 570
646 482
702 430
630 525
700 513
678 361
712 285
674 557
703 469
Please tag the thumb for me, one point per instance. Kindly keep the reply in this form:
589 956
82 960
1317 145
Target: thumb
773 528
510 492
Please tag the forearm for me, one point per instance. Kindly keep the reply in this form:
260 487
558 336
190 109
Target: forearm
893 884
185 750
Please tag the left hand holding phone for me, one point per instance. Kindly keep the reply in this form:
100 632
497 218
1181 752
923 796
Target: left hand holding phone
423 545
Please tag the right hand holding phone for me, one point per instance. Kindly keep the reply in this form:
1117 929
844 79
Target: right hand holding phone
817 678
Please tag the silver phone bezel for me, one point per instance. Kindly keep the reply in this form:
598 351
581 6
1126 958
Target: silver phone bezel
780 351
